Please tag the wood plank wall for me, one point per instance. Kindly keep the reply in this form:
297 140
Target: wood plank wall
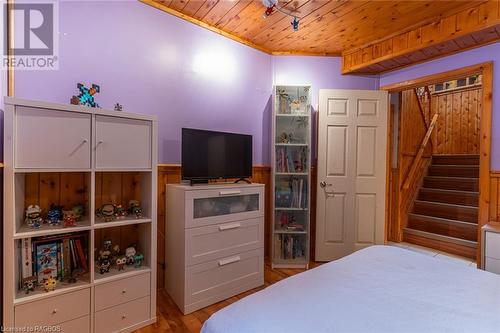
495 196
457 129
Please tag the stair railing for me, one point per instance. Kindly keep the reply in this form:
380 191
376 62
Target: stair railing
420 153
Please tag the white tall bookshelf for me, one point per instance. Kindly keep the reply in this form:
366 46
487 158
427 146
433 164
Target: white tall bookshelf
291 178
103 156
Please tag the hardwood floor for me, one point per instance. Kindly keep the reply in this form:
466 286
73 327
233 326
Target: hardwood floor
171 319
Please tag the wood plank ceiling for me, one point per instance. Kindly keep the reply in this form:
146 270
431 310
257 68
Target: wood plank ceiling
326 27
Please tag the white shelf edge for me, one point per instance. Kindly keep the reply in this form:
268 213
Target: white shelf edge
291 232
291 115
54 231
119 223
291 174
290 208
118 276
291 145
61 291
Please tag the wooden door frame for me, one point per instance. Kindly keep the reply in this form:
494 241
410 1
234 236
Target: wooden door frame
486 69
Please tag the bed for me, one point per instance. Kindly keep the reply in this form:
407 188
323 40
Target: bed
377 289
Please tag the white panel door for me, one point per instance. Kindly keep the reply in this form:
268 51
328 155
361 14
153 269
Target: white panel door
52 139
122 143
352 131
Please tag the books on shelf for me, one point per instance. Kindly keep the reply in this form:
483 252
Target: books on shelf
289 247
290 193
291 160
54 256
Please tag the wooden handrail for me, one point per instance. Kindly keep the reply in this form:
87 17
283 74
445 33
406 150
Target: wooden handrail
421 150
421 109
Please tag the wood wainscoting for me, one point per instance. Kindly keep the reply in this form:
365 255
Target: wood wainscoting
171 174
495 196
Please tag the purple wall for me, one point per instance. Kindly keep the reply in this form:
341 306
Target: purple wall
467 58
155 63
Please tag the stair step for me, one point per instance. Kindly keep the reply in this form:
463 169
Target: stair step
455 159
452 183
447 211
463 198
445 227
447 244
464 171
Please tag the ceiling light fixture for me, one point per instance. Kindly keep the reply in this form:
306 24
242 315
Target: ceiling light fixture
273 6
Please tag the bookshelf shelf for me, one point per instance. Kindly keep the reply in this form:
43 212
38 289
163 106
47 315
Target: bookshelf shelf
119 223
64 288
291 158
46 230
115 274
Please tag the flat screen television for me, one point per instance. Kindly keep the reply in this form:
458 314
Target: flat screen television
211 155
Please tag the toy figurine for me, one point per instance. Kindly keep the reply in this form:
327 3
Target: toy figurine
130 254
29 284
118 107
138 258
134 208
50 284
106 212
79 211
107 245
69 218
33 216
120 263
120 212
54 215
86 96
104 266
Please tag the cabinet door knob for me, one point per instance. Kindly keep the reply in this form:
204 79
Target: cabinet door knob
54 311
123 316
100 142
124 291
85 140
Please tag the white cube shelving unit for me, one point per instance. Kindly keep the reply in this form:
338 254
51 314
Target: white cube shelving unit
291 177
62 154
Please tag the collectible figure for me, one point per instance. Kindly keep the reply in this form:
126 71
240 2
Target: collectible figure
130 254
138 258
33 216
120 263
50 284
106 212
118 107
29 284
104 265
79 211
69 218
54 215
86 96
120 212
134 208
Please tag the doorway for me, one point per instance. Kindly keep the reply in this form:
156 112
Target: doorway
439 157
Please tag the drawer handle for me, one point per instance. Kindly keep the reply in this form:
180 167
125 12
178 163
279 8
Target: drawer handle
124 291
100 142
54 311
123 316
223 193
228 261
229 226
85 141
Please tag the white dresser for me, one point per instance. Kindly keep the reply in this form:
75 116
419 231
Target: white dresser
491 247
214 242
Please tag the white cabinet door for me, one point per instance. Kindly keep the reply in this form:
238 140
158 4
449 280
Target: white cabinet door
52 139
122 143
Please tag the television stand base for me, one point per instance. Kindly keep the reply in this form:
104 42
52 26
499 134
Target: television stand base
242 180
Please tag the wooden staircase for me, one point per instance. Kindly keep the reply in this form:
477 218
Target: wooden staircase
445 213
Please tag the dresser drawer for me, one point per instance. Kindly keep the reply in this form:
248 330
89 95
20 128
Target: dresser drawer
122 316
219 279
54 310
492 265
492 244
221 240
80 325
117 292
206 207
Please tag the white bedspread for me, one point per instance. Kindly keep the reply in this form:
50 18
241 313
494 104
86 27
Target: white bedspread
378 289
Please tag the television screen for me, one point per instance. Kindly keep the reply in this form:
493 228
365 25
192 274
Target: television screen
210 155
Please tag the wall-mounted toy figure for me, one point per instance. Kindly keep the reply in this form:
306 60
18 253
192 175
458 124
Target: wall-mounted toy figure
138 258
69 218
33 216
55 215
29 284
120 263
106 212
86 96
134 208
130 254
50 284
118 107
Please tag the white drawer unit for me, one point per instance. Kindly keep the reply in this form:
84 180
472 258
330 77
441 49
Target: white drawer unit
54 310
123 317
80 325
122 143
491 247
215 245
66 139
125 290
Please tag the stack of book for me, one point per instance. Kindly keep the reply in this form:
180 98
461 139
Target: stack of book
54 256
291 160
289 247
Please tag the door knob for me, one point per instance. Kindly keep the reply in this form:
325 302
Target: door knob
322 184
